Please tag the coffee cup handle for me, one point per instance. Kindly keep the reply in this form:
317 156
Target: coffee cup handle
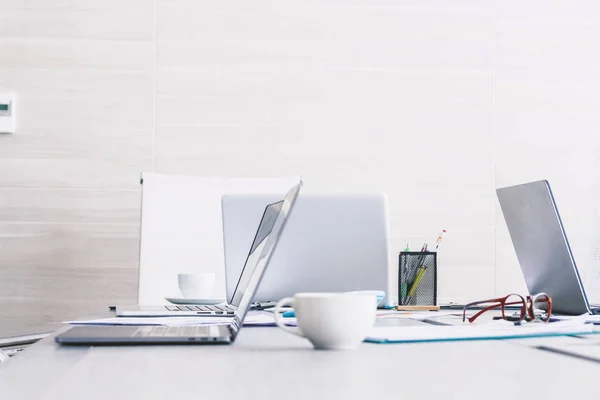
280 321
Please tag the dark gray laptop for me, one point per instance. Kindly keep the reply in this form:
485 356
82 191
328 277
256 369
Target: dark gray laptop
542 248
267 235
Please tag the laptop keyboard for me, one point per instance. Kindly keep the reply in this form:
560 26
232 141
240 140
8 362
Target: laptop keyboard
176 331
227 309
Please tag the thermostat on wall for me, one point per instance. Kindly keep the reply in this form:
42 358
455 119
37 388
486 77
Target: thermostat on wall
8 116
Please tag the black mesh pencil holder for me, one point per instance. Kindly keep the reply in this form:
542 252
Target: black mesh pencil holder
417 278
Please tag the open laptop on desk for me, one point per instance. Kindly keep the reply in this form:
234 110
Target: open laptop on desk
269 215
542 247
332 243
268 234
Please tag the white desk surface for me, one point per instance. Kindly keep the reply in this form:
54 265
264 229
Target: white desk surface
267 363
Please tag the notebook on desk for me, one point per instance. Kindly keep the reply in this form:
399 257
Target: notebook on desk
256 264
498 330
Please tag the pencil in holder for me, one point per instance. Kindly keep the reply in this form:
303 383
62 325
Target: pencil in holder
417 278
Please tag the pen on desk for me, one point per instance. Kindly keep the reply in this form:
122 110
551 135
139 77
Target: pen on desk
411 274
404 286
415 284
418 263
439 239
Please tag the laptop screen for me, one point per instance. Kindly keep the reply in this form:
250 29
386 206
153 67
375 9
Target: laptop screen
541 245
265 240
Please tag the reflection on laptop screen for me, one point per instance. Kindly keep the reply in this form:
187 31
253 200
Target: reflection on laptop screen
264 230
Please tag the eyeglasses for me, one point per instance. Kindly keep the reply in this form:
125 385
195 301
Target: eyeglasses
531 308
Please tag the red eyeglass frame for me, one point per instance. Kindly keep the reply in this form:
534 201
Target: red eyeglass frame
527 307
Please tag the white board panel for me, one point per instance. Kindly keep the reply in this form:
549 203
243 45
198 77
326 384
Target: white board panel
182 228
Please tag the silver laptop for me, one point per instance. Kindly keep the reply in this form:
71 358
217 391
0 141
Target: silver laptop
542 248
332 243
265 222
266 239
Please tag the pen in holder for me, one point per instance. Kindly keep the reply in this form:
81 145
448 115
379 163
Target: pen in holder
417 278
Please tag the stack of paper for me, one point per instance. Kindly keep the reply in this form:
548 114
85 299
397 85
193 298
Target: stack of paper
493 330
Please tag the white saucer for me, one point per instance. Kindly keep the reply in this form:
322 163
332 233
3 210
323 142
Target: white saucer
206 302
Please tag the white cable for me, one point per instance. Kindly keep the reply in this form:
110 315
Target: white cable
3 356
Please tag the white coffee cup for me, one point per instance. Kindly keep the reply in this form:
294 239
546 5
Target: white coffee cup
196 286
330 320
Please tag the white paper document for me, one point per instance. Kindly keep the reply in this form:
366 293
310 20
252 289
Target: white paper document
587 318
493 330
253 319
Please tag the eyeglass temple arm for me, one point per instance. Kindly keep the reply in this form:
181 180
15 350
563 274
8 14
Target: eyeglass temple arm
472 318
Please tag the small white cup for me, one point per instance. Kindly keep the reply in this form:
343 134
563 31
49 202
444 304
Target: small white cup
339 321
196 286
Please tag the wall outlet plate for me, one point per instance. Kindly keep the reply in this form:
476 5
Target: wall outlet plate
8 112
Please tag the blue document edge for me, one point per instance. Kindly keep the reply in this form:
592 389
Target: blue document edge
523 336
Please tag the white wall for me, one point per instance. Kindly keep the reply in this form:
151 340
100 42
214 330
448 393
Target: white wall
434 102
547 124
83 71
362 96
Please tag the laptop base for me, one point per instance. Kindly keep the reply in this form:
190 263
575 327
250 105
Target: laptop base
117 335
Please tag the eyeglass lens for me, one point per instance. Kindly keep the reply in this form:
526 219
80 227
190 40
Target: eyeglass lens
541 307
514 303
